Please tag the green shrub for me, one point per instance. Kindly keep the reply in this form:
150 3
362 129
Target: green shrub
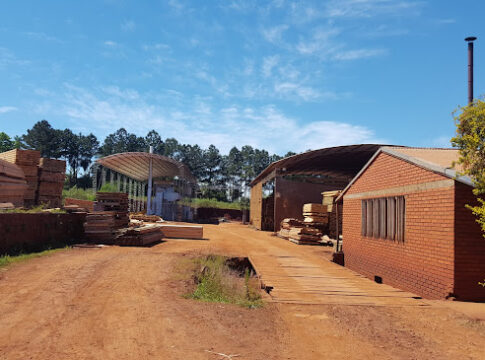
77 193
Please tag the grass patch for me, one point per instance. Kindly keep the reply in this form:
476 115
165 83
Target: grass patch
34 210
6 260
217 281
77 193
213 203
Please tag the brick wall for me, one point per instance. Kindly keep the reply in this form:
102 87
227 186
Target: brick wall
424 262
32 232
469 248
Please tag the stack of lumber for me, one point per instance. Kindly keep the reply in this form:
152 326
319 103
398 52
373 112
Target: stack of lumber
139 236
146 218
28 161
102 226
315 214
52 174
299 232
111 201
110 214
182 231
12 184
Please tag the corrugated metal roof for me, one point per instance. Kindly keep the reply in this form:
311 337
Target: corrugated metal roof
437 160
136 165
339 161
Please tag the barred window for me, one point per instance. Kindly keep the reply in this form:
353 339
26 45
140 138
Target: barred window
384 218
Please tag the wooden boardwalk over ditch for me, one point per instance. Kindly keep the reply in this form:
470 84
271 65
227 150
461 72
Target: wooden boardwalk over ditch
295 280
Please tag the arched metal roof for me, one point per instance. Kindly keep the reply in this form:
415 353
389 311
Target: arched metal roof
339 162
136 166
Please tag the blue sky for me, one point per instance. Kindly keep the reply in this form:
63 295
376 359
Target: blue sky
280 75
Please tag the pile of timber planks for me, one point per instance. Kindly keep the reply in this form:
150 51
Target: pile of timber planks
139 236
111 201
12 184
102 226
110 214
315 214
146 218
52 174
299 232
182 231
28 161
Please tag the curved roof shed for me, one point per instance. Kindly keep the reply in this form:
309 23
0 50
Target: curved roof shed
136 165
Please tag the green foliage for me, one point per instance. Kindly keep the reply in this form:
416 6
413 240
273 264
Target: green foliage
109 187
214 203
77 193
6 143
216 282
470 140
6 260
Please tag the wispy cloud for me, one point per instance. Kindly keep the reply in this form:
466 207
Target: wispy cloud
43 37
202 121
6 109
128 26
110 43
370 8
269 62
274 34
7 58
358 54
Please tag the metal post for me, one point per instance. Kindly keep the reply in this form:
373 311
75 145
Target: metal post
470 41
337 230
149 192
103 176
95 177
130 198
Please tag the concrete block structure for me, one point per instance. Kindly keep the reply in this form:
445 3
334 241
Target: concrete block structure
405 223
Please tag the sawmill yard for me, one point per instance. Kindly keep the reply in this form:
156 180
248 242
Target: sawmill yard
131 303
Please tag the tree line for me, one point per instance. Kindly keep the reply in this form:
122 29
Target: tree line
220 176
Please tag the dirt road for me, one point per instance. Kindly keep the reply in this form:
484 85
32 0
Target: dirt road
126 303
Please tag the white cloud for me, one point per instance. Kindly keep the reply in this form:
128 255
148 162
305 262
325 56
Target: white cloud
43 37
105 110
274 34
128 26
110 43
269 63
6 109
370 8
358 54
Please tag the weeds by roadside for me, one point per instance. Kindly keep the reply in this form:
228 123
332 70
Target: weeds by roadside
6 260
217 282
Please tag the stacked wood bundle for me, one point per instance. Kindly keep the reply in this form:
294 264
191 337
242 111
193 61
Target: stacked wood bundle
110 214
182 231
12 184
28 161
315 214
146 218
102 226
299 232
139 236
52 174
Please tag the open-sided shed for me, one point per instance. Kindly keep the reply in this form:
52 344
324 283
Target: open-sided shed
132 171
281 189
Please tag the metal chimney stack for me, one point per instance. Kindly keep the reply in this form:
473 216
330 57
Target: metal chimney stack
470 41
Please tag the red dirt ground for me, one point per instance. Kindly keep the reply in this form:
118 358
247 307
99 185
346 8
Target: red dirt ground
126 303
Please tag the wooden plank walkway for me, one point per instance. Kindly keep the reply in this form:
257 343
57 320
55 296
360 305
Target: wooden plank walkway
296 280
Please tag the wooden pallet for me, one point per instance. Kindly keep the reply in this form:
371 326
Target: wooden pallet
52 165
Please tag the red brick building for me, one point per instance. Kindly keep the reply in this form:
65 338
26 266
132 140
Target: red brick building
405 223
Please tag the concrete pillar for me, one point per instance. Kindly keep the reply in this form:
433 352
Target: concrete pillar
130 183
118 178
